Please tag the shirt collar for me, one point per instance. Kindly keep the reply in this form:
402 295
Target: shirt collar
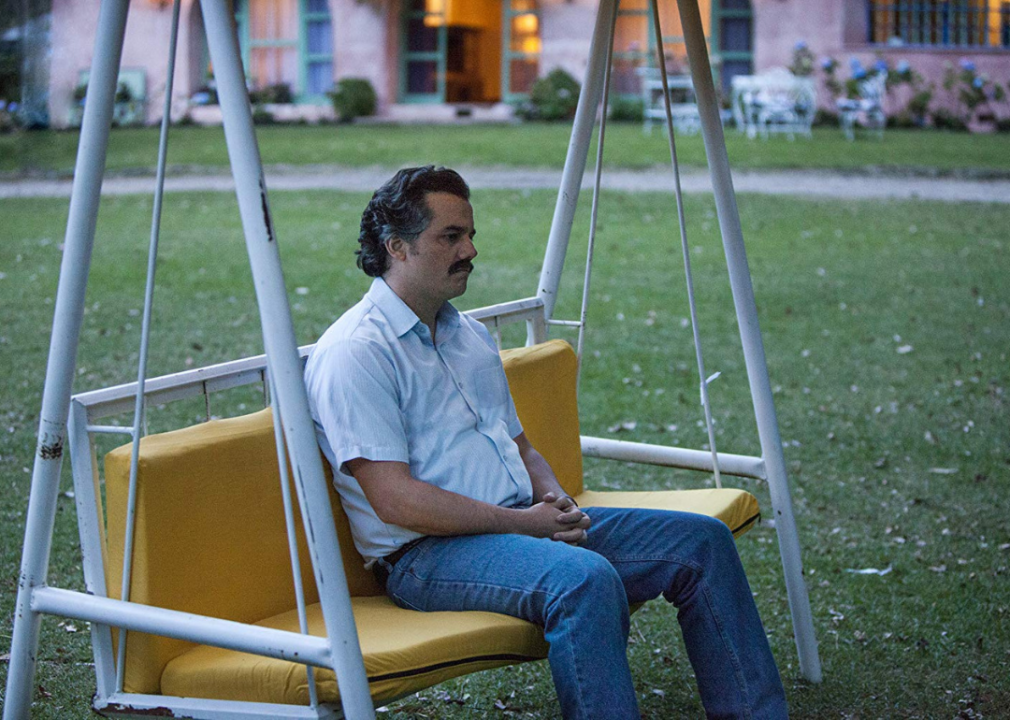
399 315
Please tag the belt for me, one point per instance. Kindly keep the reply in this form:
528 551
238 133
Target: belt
379 568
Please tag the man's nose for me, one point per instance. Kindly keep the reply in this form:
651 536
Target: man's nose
470 250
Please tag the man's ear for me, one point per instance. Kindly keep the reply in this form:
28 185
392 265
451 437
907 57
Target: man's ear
397 248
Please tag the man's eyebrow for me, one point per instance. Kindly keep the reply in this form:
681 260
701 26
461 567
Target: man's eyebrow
457 229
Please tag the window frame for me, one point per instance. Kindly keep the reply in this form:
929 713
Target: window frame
962 20
299 93
508 54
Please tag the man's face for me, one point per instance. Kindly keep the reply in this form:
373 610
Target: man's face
438 262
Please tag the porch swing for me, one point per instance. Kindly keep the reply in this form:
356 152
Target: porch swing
199 554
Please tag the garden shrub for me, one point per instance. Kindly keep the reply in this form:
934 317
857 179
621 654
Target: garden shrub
627 109
353 98
825 118
278 94
261 116
944 119
553 97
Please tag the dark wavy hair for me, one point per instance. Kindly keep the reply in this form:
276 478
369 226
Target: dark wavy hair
398 209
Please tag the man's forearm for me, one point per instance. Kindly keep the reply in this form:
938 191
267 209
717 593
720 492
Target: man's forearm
542 477
400 499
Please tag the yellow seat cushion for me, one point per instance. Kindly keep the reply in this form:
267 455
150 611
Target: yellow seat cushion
404 651
738 509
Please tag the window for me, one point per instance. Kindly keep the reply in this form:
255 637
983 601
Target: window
521 51
734 37
287 42
940 23
635 42
318 57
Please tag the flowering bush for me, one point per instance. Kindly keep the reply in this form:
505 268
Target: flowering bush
915 112
976 92
849 88
803 60
8 116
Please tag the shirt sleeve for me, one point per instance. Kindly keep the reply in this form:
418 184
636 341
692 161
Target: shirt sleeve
356 401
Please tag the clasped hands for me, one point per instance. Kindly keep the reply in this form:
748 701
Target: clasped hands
560 519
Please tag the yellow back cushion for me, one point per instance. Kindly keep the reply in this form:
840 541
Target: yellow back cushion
542 380
210 534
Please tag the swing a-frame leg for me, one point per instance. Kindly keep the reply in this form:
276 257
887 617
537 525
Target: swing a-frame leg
340 650
771 465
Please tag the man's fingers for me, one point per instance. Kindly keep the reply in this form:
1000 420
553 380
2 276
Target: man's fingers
571 516
572 537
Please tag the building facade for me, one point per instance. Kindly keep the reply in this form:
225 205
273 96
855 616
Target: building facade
431 55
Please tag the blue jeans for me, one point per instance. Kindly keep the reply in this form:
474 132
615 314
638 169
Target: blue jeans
580 595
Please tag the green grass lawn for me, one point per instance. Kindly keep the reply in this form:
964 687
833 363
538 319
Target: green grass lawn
887 328
533 145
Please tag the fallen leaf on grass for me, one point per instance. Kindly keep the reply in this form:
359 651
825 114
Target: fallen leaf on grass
5 657
620 427
657 691
904 349
938 568
943 471
870 571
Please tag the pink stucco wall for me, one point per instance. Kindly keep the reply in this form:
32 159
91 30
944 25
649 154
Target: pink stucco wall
566 28
145 46
365 44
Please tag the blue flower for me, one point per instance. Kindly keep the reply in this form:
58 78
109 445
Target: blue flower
859 73
827 63
800 45
968 65
903 67
978 82
12 107
880 66
854 64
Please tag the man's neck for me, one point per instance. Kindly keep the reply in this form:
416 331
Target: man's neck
425 309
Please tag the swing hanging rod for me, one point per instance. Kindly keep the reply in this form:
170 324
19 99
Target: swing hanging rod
689 278
594 213
145 338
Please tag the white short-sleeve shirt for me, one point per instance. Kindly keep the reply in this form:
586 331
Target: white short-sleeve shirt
379 389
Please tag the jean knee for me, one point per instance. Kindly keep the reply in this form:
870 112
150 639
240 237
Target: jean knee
589 577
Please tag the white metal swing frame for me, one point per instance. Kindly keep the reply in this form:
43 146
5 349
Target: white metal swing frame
339 650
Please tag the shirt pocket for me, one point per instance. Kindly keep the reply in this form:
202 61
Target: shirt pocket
492 389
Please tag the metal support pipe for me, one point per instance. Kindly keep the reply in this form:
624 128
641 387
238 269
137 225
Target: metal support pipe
69 312
750 335
91 528
575 161
666 456
228 634
285 364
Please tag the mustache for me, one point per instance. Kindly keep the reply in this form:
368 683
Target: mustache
461 266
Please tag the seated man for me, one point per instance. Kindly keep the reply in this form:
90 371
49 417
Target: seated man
454 509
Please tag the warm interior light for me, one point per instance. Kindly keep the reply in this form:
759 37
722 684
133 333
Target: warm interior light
437 11
526 25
